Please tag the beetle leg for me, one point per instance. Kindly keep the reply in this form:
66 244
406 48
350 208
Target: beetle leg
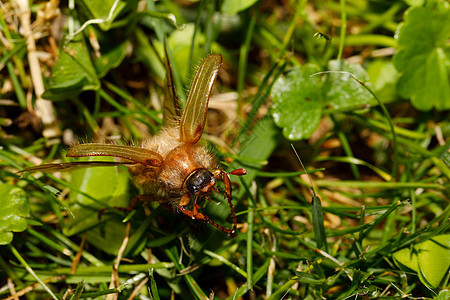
196 207
184 202
220 174
196 215
226 182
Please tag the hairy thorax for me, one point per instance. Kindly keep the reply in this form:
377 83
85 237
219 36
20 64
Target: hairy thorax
166 183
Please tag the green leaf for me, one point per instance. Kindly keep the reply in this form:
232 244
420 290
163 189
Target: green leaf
296 102
108 185
319 228
73 72
112 53
434 259
383 76
153 287
78 291
406 257
309 278
232 7
14 210
179 42
447 159
95 9
263 139
423 57
297 105
146 53
342 91
443 295
414 2
430 259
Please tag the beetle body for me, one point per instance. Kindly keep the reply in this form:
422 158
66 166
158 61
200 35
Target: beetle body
171 167
168 182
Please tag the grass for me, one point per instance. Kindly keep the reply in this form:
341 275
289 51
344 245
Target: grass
379 171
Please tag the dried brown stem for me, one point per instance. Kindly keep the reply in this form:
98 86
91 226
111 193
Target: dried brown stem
43 108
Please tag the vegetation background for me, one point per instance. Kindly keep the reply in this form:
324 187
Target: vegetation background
358 89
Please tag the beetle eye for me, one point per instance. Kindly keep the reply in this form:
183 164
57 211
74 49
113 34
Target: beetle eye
200 180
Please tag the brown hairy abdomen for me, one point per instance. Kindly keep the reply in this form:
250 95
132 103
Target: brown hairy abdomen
166 182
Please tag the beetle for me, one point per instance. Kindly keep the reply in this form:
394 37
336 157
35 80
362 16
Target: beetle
171 167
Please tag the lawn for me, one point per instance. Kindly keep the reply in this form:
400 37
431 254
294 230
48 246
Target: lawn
338 111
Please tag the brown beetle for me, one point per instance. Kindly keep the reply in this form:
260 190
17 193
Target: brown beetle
171 167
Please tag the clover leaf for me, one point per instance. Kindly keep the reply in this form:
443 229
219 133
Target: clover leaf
430 259
73 71
296 102
423 57
15 208
300 96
